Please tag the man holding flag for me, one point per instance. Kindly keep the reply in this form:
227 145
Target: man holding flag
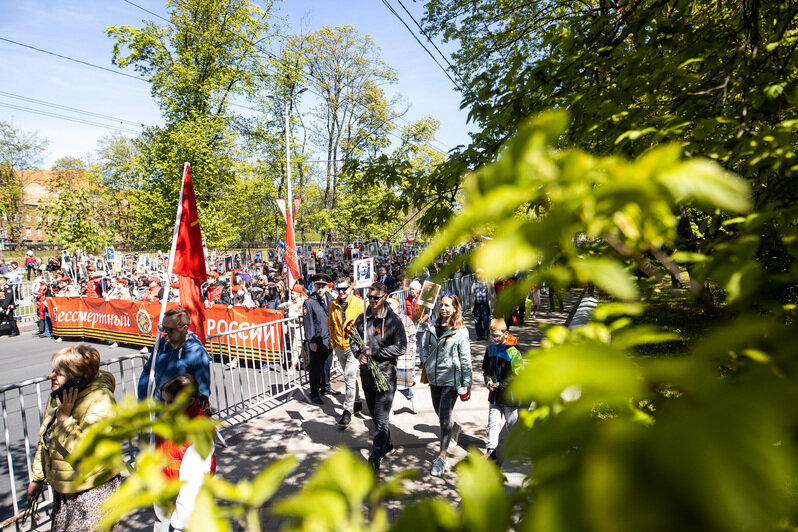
181 348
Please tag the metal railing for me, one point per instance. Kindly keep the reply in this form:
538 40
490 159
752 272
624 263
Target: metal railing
460 286
25 301
259 364
23 406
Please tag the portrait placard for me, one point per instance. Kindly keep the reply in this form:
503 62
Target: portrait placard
364 272
429 293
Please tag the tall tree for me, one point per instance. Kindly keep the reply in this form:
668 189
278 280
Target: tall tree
348 72
118 174
210 53
19 151
721 79
75 213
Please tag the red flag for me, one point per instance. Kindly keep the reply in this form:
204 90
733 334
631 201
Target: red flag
291 259
189 258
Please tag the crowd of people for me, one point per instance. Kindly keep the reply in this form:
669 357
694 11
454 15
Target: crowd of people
383 343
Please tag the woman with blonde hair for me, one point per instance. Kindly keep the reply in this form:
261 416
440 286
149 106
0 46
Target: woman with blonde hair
448 369
81 396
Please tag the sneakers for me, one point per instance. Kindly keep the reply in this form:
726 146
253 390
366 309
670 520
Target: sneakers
414 405
346 418
358 407
438 466
455 435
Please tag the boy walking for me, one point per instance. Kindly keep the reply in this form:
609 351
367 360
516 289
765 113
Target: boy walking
501 363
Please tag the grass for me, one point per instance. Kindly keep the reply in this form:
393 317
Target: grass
675 310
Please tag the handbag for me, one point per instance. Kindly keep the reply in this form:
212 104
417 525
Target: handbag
424 379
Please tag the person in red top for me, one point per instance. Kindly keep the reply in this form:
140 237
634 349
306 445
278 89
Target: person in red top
184 462
30 266
151 293
95 285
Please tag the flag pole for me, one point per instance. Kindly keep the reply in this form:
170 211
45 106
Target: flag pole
167 283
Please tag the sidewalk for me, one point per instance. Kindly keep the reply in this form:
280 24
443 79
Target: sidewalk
309 432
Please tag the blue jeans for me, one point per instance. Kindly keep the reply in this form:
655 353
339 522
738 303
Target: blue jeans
481 319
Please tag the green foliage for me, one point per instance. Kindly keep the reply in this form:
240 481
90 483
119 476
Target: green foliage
196 65
616 434
19 151
74 216
628 205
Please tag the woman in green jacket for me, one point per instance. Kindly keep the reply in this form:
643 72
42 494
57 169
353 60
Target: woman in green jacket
448 369
82 396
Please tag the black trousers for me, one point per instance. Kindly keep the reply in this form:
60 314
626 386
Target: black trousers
379 404
318 359
8 317
327 367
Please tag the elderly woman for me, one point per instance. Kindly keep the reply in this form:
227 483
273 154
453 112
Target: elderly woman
82 396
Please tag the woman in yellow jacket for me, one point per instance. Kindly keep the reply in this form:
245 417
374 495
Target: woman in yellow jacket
82 395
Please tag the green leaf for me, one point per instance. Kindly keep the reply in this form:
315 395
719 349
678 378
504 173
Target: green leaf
206 514
639 335
269 480
604 374
689 256
481 486
608 275
705 183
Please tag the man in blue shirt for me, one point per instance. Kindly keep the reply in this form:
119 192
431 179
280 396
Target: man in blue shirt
179 351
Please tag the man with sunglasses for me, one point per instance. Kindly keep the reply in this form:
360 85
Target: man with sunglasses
385 341
179 351
343 309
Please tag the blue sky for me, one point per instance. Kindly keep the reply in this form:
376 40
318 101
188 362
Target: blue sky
76 29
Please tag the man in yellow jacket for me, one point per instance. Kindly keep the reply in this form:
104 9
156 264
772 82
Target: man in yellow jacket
343 309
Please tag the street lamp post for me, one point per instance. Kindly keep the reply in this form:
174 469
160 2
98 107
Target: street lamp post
289 192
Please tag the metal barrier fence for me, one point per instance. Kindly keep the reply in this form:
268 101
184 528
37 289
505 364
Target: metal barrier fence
25 300
460 287
258 364
23 406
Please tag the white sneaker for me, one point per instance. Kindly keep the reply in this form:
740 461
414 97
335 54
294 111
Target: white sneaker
59 339
455 435
438 466
414 405
144 350
113 345
233 364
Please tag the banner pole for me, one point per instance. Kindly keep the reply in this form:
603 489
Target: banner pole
167 283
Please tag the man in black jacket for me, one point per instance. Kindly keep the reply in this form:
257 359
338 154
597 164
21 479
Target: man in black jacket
385 341
7 306
317 334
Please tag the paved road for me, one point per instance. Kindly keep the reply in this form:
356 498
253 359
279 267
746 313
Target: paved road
25 357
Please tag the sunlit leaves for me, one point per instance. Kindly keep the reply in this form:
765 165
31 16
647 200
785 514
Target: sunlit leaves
335 495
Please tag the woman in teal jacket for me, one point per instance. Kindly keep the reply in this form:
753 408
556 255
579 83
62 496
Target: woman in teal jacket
448 369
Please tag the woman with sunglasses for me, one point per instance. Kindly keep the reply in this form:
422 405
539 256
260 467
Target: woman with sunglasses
448 368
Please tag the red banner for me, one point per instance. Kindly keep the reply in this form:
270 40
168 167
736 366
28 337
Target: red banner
136 323
291 259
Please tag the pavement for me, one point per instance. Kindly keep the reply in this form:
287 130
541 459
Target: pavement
310 433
